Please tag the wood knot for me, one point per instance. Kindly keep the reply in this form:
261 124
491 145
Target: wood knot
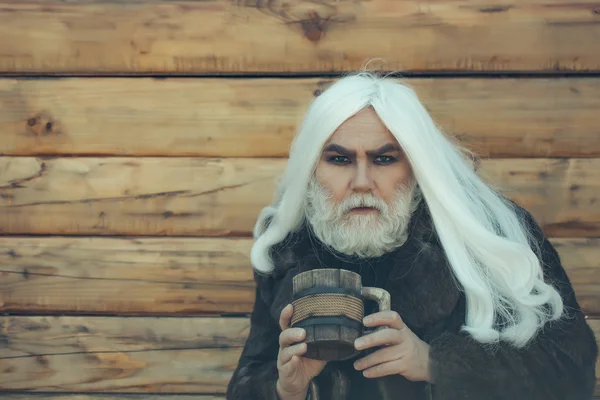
42 360
596 11
42 124
314 26
318 92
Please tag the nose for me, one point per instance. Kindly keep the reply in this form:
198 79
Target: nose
362 180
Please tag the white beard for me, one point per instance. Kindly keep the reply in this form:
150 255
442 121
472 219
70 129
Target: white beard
370 235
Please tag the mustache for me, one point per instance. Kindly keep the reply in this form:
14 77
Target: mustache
365 200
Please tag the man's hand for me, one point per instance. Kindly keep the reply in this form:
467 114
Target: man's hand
295 371
404 354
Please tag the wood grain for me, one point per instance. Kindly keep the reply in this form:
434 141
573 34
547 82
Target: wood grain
216 197
259 117
176 276
562 194
114 354
171 371
126 276
131 196
125 355
156 37
54 335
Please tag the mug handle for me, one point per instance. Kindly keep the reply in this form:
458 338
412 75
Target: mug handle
381 296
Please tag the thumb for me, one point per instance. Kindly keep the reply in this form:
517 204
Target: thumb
285 317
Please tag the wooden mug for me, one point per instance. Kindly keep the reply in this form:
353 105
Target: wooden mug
329 305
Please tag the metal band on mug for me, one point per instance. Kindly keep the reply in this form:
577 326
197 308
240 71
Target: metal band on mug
341 320
325 290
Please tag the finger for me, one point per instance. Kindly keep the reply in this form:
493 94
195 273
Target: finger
389 368
384 318
379 357
379 338
286 354
290 336
285 317
289 368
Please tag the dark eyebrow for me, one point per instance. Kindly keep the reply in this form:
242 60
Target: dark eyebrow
347 152
339 149
386 148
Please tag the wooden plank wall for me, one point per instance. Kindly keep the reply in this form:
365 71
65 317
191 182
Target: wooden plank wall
140 139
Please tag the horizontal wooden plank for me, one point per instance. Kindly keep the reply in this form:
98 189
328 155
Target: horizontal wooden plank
53 335
125 276
258 117
155 196
169 276
562 194
109 355
191 370
58 354
103 36
215 197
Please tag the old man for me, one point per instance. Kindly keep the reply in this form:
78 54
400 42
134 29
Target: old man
481 307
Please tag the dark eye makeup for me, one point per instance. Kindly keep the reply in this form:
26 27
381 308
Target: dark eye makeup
343 160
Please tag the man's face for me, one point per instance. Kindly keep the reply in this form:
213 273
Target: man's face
353 163
359 201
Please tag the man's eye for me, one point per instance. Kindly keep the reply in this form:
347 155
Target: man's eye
385 160
338 160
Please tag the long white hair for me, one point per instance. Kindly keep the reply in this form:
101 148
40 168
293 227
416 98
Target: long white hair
485 241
